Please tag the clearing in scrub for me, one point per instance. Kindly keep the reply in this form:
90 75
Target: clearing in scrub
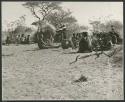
62 50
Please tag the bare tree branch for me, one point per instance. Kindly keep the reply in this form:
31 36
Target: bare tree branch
34 13
113 52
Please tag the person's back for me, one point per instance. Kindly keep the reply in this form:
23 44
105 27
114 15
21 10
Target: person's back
85 43
82 45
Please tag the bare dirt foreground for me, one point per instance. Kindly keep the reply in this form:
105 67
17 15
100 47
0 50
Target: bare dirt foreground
32 74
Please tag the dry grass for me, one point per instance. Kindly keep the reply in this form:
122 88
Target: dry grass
33 74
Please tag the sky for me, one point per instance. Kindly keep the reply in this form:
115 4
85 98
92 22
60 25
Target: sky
82 11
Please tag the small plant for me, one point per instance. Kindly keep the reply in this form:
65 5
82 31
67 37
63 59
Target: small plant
81 79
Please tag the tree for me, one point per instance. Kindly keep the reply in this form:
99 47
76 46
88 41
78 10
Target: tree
75 28
106 26
40 9
95 25
14 27
61 17
118 26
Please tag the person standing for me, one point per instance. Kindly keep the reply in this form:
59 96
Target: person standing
8 40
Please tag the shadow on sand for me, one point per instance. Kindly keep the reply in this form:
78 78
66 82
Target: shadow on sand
56 50
7 55
69 53
35 49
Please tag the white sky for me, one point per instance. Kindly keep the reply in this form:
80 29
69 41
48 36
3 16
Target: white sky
83 11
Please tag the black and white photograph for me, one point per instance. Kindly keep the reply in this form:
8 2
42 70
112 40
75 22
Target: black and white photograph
62 50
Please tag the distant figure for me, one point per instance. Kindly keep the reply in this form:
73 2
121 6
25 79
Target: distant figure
22 39
7 40
18 39
115 37
25 41
28 39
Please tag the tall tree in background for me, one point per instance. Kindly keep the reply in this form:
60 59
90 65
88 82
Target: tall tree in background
14 26
64 17
40 9
95 25
118 26
61 17
98 26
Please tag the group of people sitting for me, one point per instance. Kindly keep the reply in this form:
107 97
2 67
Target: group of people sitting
22 39
98 41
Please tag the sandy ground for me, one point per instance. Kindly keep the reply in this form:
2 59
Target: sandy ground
32 74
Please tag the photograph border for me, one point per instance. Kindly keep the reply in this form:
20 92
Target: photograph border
62 1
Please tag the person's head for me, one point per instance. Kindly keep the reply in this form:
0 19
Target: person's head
73 34
85 34
22 35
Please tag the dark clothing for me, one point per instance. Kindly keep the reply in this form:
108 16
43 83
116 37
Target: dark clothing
65 44
64 34
115 37
27 40
8 40
84 46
